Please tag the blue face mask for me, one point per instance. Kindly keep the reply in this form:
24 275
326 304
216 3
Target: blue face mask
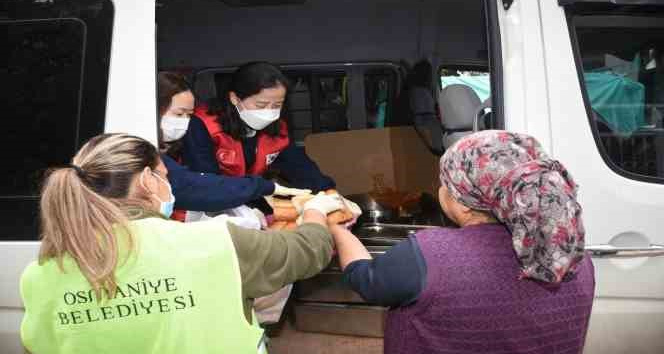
166 208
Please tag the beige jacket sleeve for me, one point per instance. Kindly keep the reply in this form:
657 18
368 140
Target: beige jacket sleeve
271 259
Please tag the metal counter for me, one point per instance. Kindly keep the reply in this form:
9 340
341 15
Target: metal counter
325 304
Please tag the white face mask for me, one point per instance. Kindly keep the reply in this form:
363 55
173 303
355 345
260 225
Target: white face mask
258 119
174 128
165 208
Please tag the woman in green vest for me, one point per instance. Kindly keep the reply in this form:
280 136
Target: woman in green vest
116 276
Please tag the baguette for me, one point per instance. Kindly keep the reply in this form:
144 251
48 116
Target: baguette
340 217
277 225
281 203
288 213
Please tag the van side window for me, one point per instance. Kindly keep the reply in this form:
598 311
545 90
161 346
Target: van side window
328 97
45 60
55 76
317 103
621 69
380 86
475 77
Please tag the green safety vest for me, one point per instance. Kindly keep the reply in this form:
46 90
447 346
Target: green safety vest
180 292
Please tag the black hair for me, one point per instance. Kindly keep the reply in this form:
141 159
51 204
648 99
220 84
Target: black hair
248 80
169 84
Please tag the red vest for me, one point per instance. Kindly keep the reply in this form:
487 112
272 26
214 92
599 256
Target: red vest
229 153
179 215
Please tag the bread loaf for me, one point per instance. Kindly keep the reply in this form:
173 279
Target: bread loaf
286 212
277 225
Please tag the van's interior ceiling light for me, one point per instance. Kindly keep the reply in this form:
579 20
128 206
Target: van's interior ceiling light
248 3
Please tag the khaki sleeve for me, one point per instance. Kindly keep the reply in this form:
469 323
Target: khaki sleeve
271 259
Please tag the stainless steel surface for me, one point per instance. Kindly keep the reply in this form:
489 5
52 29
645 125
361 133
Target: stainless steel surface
355 320
374 250
609 251
379 234
401 226
328 286
388 230
325 304
423 211
372 211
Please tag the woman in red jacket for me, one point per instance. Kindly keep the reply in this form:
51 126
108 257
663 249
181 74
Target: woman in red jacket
245 133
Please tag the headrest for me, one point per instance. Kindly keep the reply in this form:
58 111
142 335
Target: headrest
458 104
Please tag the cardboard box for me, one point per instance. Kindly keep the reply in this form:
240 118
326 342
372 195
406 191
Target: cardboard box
355 158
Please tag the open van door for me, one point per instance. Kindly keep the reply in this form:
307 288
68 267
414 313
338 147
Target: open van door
589 84
72 69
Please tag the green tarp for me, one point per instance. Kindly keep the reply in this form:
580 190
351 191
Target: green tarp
481 84
618 99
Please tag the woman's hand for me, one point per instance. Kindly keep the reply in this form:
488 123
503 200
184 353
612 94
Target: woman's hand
324 203
349 247
354 209
316 209
352 206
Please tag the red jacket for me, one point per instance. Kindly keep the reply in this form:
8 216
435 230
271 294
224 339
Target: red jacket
229 152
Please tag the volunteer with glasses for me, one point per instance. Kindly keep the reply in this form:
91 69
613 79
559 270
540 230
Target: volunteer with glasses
245 132
116 276
195 191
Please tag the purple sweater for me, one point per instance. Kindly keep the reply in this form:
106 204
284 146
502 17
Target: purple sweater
473 301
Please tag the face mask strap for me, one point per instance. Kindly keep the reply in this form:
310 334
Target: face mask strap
142 183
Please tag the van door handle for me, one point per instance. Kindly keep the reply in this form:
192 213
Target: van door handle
609 251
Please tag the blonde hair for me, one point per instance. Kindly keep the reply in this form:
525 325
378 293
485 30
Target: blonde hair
85 204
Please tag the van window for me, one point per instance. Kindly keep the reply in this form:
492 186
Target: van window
317 103
476 77
380 90
621 67
54 75
319 97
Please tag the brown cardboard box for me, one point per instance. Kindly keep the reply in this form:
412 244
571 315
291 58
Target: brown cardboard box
354 158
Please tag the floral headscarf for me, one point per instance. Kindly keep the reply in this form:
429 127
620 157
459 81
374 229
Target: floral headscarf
509 175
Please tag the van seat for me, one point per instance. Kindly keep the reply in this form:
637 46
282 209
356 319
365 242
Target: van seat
458 105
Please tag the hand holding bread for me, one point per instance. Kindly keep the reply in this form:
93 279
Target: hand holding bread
324 203
338 209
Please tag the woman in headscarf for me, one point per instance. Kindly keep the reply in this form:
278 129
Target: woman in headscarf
513 278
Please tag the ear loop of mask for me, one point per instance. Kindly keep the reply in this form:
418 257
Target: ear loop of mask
250 132
142 181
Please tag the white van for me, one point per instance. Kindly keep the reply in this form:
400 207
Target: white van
585 77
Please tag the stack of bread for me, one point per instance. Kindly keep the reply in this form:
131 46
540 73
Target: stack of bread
286 211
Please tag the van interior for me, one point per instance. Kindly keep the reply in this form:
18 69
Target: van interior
350 68
351 105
